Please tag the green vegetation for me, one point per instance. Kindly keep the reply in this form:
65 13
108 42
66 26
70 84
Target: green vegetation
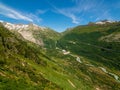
15 72
88 44
25 65
48 36
85 41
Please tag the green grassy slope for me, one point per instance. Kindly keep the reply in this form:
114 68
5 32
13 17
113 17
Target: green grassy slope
48 36
87 43
15 71
24 65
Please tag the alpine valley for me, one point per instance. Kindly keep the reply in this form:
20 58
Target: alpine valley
85 57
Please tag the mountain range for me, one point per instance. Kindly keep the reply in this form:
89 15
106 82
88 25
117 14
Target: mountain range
85 57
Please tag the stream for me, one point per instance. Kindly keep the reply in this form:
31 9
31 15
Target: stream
116 77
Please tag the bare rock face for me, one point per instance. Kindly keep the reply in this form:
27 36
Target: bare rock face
114 37
29 36
27 31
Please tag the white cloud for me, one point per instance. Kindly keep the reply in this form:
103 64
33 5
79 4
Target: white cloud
14 14
39 11
35 18
74 19
83 8
104 15
11 13
77 11
67 13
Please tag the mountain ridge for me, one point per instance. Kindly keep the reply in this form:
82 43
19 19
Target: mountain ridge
31 31
79 59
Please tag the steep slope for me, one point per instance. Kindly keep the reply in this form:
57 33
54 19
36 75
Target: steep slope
24 65
92 42
42 36
73 65
16 73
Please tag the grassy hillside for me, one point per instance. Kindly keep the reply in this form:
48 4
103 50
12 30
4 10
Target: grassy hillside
87 42
16 73
25 65
48 36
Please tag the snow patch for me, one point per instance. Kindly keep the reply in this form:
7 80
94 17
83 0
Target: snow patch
65 52
11 26
104 22
78 59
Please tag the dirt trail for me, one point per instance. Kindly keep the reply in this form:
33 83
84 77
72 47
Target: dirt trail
71 83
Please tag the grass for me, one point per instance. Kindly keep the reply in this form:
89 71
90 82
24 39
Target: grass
24 65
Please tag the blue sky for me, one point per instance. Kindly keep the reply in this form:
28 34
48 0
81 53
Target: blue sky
59 14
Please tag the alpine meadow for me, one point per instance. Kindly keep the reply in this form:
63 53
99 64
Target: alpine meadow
60 45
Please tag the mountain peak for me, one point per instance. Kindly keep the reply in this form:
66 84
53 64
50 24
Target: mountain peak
32 24
12 26
104 22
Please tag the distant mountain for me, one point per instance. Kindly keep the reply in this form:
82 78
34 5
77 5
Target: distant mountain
94 41
98 43
85 57
102 22
16 60
34 33
105 22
